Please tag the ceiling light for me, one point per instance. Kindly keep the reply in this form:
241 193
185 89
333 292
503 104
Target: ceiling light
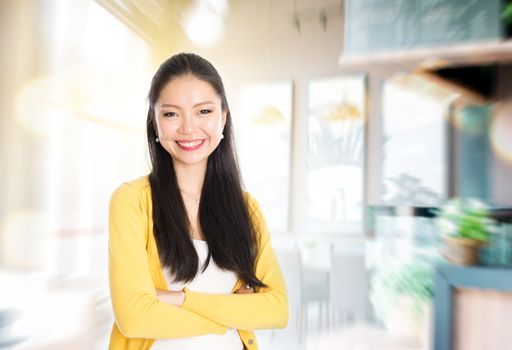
204 29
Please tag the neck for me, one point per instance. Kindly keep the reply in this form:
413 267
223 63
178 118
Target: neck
190 178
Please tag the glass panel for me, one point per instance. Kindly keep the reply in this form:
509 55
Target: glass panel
414 142
263 134
336 154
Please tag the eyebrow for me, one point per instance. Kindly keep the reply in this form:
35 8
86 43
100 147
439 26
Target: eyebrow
196 105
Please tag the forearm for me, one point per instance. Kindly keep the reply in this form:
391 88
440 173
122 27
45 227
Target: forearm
266 309
241 311
148 317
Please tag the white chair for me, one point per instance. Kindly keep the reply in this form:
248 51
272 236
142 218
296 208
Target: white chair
315 282
292 336
291 265
348 286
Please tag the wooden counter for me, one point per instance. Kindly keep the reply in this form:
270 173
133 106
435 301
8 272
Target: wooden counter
473 308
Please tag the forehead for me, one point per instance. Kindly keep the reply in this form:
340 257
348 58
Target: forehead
187 89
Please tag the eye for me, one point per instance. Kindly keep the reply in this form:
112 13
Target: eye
170 114
205 111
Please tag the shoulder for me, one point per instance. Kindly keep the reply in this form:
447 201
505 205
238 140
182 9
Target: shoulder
256 213
134 190
140 184
252 204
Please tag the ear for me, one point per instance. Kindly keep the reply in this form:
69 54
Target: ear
224 118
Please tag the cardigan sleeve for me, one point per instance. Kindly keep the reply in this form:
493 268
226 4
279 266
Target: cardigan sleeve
268 308
137 310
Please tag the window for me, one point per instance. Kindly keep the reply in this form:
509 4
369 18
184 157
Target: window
336 155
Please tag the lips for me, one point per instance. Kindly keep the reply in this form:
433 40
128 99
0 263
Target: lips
190 145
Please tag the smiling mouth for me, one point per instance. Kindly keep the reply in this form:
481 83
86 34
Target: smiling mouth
190 145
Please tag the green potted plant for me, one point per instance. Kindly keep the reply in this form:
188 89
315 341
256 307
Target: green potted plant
465 226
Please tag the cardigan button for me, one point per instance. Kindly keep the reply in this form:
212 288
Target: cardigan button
251 341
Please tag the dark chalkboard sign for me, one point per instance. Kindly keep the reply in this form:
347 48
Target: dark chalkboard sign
387 25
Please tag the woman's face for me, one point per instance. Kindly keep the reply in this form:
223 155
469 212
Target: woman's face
189 120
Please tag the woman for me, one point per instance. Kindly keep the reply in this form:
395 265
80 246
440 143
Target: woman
190 263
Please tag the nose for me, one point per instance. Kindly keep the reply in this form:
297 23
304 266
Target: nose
187 125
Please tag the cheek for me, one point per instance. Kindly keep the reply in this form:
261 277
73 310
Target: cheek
165 128
214 125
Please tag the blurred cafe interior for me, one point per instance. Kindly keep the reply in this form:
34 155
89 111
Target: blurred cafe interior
375 134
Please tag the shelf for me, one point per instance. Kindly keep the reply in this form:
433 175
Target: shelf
481 53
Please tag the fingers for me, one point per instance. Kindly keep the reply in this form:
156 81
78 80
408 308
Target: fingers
245 290
161 291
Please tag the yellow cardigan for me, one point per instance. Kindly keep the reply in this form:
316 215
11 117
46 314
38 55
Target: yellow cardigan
135 273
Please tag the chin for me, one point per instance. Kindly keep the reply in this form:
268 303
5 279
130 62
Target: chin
189 162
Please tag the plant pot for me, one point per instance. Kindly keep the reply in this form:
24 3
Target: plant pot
459 250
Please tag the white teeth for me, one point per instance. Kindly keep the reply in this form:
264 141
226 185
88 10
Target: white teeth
189 144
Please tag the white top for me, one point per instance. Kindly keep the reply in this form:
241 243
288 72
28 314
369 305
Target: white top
212 280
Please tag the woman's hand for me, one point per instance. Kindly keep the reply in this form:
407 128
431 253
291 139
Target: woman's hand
245 290
173 298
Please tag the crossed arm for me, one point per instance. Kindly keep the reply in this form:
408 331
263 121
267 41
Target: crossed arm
178 298
141 311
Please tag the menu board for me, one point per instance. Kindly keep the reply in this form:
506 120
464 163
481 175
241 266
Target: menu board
386 25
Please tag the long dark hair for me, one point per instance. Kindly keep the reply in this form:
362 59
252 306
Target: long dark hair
224 214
